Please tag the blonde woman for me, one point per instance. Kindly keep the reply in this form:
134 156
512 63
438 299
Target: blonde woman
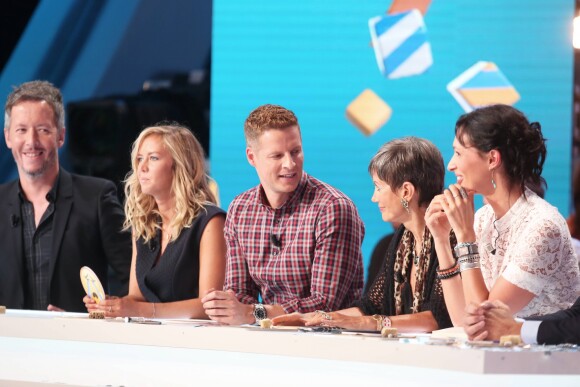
178 242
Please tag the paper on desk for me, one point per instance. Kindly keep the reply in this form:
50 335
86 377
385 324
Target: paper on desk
450 333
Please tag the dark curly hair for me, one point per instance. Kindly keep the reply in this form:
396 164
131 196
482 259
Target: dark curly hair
520 143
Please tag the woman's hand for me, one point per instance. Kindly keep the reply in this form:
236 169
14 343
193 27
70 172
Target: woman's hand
339 320
90 304
474 322
116 307
436 219
293 319
458 206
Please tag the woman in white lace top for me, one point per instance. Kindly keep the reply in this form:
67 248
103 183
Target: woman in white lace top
517 248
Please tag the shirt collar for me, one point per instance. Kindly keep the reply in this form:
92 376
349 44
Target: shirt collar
515 209
50 196
294 196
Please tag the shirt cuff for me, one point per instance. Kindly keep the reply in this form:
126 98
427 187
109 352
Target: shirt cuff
291 306
529 332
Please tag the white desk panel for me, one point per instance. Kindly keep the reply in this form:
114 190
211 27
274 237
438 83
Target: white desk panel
70 349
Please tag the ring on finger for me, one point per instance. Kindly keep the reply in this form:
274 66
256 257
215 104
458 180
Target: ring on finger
324 315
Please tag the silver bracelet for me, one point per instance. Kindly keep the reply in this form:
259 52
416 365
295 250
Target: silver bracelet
468 266
463 244
466 248
469 258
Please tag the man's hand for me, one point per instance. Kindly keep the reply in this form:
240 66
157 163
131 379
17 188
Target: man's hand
225 308
489 321
499 320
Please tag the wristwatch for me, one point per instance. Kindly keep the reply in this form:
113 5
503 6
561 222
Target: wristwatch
260 312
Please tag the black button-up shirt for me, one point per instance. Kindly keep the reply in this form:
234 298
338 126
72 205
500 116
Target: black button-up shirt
37 250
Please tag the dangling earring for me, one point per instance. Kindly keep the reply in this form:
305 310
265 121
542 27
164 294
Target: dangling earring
405 204
492 180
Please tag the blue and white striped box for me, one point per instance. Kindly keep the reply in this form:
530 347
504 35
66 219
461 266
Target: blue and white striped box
482 84
400 44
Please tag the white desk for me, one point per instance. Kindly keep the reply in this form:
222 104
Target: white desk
50 348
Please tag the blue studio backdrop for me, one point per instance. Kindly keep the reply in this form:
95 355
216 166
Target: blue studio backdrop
316 57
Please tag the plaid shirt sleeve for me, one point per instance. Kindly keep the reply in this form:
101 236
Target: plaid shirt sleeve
238 277
337 262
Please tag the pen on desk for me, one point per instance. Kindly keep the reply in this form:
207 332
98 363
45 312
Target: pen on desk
141 320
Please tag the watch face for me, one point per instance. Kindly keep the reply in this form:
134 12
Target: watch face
259 312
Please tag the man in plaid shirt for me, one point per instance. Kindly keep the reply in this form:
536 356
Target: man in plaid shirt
293 240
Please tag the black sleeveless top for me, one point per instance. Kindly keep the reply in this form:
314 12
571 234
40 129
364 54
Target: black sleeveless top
175 277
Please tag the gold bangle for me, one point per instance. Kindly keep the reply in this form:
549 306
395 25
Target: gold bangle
382 321
379 319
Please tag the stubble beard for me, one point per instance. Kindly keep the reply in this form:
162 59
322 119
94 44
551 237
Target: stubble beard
46 165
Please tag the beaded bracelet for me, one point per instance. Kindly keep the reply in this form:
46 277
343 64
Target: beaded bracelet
451 274
450 268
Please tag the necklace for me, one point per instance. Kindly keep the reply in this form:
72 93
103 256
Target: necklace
165 235
414 254
417 257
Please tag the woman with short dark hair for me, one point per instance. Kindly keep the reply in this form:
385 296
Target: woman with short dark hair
517 248
406 294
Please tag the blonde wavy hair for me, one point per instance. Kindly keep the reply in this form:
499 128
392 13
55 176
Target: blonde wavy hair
190 184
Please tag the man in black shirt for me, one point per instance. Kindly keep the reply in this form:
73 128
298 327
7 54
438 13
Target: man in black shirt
52 222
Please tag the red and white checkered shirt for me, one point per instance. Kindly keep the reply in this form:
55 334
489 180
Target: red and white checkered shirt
303 256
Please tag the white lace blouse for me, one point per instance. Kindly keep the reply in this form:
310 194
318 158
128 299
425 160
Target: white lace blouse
533 251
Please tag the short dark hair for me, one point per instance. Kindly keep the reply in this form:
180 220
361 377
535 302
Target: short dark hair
411 159
520 143
36 91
